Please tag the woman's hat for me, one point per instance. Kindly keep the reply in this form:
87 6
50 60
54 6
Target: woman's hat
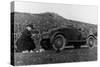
30 25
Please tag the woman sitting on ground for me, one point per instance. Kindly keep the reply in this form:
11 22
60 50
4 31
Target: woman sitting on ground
25 42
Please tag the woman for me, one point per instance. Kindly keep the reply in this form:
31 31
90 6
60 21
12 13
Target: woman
25 42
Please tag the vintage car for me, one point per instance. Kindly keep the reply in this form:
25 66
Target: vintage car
60 38
58 35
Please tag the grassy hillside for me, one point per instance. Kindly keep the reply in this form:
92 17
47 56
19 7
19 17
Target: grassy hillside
47 21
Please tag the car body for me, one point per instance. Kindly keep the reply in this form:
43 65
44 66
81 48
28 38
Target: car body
60 38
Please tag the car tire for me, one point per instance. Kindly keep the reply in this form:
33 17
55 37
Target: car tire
59 42
91 41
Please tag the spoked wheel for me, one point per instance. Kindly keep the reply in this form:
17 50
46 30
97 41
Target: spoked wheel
91 41
59 42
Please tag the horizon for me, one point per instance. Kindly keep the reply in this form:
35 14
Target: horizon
87 14
57 14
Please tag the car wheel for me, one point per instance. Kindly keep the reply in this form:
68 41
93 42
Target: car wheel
91 41
59 42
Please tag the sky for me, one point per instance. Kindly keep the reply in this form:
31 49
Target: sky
88 14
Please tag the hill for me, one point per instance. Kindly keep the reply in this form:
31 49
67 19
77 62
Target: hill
47 21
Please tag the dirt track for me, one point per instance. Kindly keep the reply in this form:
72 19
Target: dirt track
67 55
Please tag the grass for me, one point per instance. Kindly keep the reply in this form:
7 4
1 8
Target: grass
48 57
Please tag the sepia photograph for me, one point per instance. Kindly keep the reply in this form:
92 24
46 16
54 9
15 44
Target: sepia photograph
49 33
